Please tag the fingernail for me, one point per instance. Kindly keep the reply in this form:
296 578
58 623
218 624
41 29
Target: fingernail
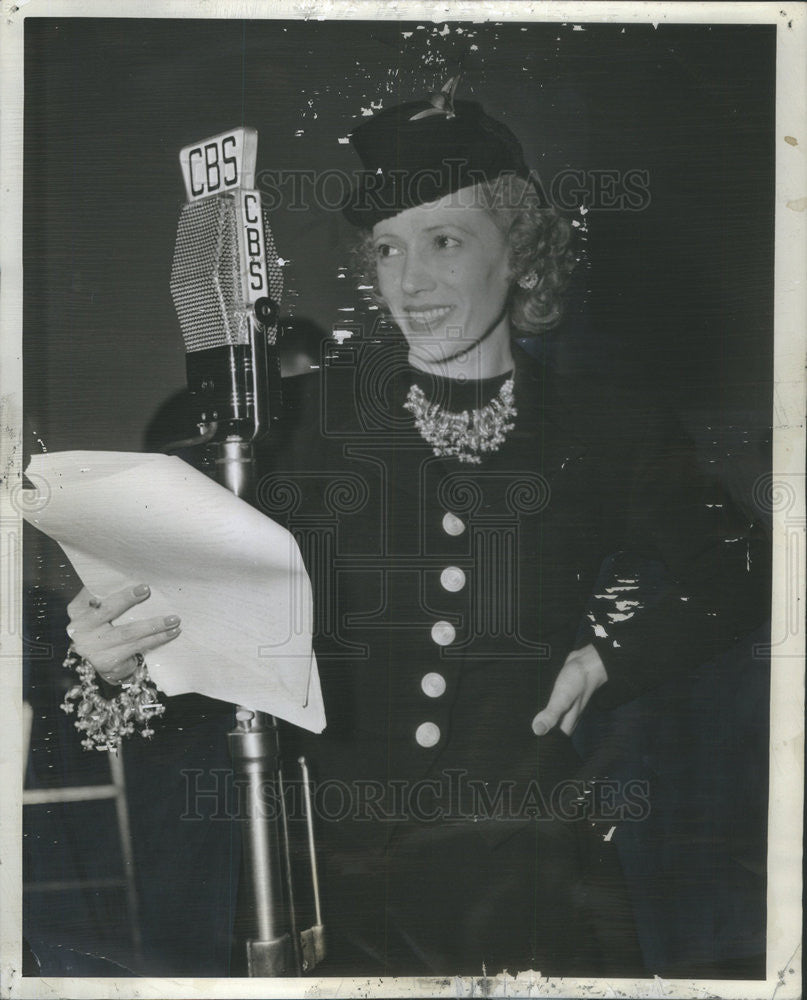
540 728
171 620
141 590
173 631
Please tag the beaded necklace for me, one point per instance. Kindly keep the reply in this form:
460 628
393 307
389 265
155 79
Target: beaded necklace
468 434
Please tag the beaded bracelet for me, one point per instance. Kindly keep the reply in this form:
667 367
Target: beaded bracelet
106 721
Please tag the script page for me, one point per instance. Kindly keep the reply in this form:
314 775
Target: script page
235 578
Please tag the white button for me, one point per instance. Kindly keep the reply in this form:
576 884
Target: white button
427 734
452 525
433 685
452 578
443 633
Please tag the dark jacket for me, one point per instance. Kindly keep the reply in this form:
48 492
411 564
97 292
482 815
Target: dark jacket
591 524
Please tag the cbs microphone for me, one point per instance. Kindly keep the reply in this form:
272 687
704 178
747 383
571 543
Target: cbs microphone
226 284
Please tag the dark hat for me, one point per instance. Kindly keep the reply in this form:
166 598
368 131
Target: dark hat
418 152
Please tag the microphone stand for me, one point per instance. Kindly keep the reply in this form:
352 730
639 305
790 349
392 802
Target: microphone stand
255 753
224 273
250 385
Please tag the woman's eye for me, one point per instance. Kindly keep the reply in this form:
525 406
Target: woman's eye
386 250
445 242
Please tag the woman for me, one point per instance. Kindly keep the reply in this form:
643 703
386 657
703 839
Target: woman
467 520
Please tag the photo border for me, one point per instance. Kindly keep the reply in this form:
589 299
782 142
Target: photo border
784 925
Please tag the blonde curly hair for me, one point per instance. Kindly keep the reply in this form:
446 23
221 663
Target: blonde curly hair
539 239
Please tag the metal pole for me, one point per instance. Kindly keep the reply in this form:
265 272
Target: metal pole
314 947
255 754
254 750
235 466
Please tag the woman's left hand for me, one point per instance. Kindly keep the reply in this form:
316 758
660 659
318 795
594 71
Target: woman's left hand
579 677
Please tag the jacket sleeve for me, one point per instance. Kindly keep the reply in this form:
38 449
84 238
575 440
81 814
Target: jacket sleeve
689 574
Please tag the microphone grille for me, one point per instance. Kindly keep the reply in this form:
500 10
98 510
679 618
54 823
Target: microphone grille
206 275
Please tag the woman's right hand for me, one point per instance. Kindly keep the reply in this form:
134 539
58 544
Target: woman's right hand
112 649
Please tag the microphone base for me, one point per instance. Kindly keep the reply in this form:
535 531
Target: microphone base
270 958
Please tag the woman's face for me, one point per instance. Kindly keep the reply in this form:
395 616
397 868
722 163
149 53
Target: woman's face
443 273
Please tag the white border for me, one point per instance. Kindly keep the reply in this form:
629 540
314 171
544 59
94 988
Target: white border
787 491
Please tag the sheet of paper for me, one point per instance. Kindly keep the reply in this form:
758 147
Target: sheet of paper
235 578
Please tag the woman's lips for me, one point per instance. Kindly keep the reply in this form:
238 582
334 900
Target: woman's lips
427 316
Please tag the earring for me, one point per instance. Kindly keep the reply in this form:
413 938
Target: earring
528 281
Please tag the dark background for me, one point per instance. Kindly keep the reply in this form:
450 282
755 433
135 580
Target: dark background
674 301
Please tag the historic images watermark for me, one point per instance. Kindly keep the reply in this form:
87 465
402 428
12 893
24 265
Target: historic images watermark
776 496
25 498
331 190
451 796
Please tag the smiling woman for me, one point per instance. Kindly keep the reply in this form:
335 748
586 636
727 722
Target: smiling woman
499 241
443 271
459 589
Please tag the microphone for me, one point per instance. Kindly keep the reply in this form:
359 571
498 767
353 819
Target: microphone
226 284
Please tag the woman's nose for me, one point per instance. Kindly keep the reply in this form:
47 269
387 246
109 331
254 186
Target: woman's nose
416 276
